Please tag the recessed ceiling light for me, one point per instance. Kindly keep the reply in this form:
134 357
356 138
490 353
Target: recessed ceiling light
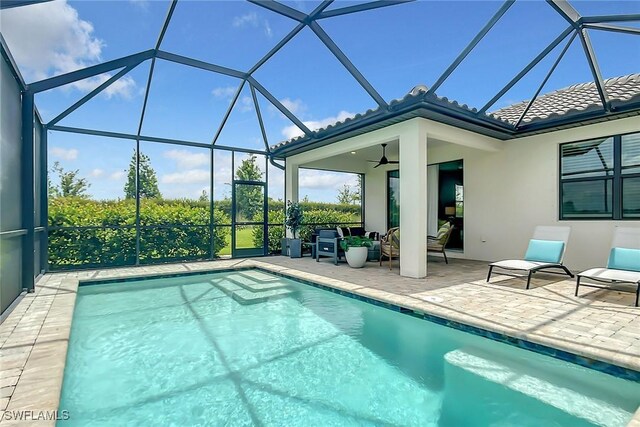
353 152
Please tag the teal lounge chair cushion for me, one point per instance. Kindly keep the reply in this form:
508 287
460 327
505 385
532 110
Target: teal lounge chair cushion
544 251
624 259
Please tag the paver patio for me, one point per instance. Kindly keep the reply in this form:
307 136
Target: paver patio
598 325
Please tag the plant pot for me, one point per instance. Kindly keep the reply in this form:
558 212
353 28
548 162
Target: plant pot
284 246
357 256
295 248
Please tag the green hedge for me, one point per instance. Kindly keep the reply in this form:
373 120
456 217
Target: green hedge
184 233
172 230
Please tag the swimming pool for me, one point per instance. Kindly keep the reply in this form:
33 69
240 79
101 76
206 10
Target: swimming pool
250 348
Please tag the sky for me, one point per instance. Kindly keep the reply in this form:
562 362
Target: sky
395 48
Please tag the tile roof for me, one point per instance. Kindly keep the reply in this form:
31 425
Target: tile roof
573 99
579 98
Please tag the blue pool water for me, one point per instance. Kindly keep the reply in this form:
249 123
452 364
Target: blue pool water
247 348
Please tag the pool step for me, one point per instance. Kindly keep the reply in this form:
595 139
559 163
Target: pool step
255 284
246 297
471 375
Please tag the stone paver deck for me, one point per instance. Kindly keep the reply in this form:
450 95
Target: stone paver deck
600 325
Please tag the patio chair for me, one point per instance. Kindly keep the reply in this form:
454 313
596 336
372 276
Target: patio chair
390 245
546 251
439 242
623 266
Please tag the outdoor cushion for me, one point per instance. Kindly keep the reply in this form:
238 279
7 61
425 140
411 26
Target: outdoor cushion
443 230
343 231
356 231
624 259
544 251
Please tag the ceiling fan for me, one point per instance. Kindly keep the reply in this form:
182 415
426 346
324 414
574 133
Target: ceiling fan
383 160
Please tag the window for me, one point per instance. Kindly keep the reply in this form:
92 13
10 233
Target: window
393 199
600 178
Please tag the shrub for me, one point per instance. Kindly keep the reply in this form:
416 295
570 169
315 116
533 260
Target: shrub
171 230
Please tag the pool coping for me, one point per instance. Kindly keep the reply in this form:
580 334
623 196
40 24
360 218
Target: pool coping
40 384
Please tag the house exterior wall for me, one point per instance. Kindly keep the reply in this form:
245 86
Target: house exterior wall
510 191
510 187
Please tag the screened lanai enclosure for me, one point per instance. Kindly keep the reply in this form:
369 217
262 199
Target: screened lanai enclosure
217 94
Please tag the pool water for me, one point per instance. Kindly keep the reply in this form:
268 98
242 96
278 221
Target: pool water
248 348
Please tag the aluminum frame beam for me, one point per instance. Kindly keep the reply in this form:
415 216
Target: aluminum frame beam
92 94
545 80
228 112
567 12
8 4
346 62
257 107
595 69
128 136
610 18
281 9
94 70
526 69
27 184
613 28
474 42
279 105
184 60
361 7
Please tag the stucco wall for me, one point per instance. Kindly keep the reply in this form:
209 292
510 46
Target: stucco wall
510 187
510 191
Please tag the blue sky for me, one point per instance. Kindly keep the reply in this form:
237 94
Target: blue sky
395 48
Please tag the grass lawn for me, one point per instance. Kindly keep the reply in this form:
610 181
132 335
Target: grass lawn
244 239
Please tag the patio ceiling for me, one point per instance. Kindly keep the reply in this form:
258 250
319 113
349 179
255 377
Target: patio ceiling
576 37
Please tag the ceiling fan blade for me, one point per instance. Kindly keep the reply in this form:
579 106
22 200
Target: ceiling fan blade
377 165
395 162
374 161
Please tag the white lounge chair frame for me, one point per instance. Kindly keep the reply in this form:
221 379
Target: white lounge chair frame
623 237
541 232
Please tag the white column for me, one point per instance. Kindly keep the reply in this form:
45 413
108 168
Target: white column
291 185
413 201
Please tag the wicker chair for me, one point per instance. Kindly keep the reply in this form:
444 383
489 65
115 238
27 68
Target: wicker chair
390 245
439 243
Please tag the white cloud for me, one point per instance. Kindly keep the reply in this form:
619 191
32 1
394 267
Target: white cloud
187 159
224 92
293 130
117 175
252 20
64 154
246 104
296 106
50 38
96 173
186 177
142 4
317 179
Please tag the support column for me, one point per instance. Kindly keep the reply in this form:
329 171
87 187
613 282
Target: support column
27 186
413 201
291 185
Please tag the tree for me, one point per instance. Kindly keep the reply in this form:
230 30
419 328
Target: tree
204 196
249 198
350 196
70 184
148 179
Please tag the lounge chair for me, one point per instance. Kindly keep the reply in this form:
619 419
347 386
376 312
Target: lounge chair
623 266
390 245
438 243
546 251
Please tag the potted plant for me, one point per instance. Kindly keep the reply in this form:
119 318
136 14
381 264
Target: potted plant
293 221
356 249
